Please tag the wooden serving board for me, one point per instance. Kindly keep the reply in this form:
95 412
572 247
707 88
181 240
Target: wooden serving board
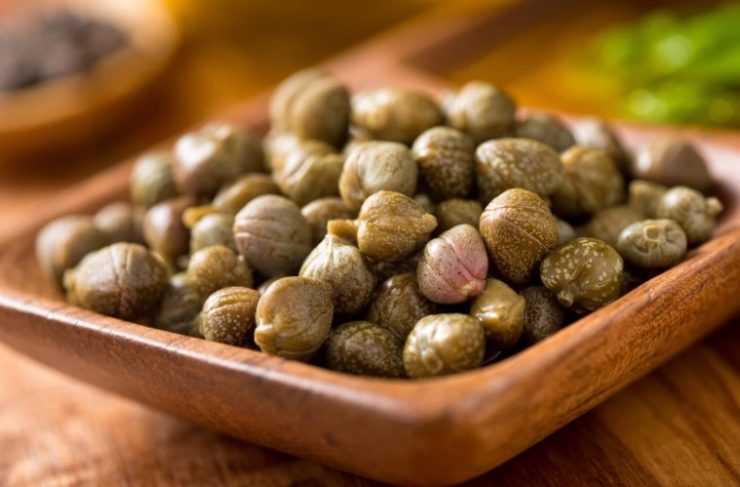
436 431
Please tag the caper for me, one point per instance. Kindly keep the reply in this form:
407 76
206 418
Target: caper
310 170
294 317
152 179
377 166
229 315
446 162
584 273
320 211
121 222
517 163
645 196
383 269
608 223
216 267
597 134
390 227
341 264
232 197
546 128
399 304
272 235
519 230
592 183
481 110
313 105
452 212
213 229
363 348
63 242
181 303
164 230
453 266
500 311
672 162
696 214
215 155
566 232
123 280
394 114
543 315
443 344
652 243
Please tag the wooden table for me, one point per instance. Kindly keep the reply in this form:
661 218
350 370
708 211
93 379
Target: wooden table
679 425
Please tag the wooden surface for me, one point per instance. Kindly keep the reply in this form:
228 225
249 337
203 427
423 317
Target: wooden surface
678 426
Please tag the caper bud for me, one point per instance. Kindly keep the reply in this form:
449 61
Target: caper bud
123 280
320 211
383 270
194 214
517 163
363 348
121 222
207 159
566 232
696 214
597 134
644 196
229 315
672 162
313 105
391 226
445 159
592 182
585 274
455 211
425 202
518 229
608 223
453 266
232 197
310 171
294 317
500 311
543 315
164 230
443 344
377 166
272 235
213 229
340 263
399 305
481 110
181 303
216 267
546 128
652 243
152 179
62 244
394 114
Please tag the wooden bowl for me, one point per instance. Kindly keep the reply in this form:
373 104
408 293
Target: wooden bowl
63 112
436 431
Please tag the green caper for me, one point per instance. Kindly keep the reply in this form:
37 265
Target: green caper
543 315
566 232
672 162
608 223
152 179
453 212
63 242
500 311
123 280
216 267
446 162
181 303
229 315
584 273
363 348
517 163
546 128
597 134
294 317
310 170
696 214
645 196
232 197
652 243
121 222
481 110
519 230
443 344
213 229
164 230
319 212
399 305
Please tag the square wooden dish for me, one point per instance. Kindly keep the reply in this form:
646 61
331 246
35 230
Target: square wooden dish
436 431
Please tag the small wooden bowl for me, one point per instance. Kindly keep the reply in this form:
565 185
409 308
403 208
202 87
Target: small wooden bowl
63 112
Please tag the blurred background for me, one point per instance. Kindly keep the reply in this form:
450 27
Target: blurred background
86 83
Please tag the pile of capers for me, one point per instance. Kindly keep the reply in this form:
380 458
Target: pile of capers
386 233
